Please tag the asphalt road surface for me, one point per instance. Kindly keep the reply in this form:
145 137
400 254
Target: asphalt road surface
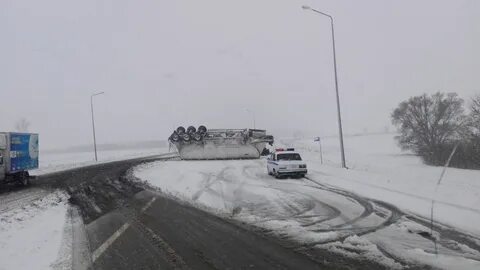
128 226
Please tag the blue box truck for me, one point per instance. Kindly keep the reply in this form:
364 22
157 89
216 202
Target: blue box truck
18 154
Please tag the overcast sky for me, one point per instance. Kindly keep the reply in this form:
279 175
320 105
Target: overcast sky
168 63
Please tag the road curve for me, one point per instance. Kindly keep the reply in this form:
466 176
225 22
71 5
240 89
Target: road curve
128 227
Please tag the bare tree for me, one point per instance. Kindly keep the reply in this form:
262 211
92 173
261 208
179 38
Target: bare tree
22 125
429 124
475 115
471 148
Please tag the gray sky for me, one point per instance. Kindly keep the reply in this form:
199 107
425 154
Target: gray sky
165 63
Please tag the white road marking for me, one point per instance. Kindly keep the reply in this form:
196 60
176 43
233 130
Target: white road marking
101 249
148 204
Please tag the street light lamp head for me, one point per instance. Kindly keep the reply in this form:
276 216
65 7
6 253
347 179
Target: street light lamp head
306 7
96 94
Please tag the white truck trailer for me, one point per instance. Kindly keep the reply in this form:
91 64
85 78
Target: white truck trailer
18 154
219 143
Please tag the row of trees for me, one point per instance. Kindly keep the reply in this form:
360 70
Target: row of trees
432 125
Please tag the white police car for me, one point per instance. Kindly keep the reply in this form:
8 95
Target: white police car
286 162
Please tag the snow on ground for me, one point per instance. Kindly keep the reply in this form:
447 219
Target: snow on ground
402 240
53 162
379 169
242 188
31 235
315 212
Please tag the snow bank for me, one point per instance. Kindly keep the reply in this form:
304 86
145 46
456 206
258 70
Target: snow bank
404 241
361 248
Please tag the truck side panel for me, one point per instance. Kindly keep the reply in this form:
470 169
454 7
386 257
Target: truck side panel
23 152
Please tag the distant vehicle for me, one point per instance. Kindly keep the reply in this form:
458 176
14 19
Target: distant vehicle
18 154
286 162
203 143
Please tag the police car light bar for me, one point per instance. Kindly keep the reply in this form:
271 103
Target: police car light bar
282 149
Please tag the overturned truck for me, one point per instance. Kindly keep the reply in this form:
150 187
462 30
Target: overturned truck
192 143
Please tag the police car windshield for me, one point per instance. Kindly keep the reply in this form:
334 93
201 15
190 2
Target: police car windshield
290 156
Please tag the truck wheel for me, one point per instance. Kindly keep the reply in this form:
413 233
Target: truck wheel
197 136
186 137
26 181
202 129
23 178
175 137
191 130
180 130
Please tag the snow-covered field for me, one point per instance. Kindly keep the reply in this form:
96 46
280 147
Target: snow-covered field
53 162
316 212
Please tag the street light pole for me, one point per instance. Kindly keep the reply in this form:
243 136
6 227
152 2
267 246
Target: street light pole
340 130
93 124
253 117
319 140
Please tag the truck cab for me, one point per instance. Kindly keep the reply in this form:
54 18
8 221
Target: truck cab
286 162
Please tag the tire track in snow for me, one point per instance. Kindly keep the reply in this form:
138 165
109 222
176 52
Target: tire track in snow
210 180
313 219
395 214
16 200
423 198
387 213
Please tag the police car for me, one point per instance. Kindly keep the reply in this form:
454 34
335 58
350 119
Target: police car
286 162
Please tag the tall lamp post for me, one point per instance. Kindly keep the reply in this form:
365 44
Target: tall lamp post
93 124
253 116
340 131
